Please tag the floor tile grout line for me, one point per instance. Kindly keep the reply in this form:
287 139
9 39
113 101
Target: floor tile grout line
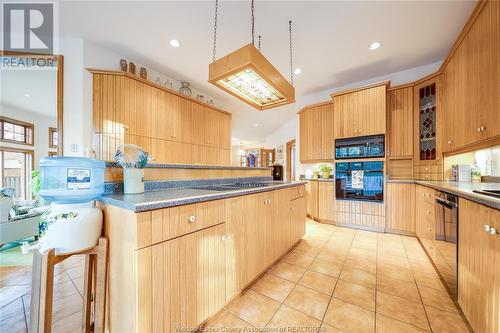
25 316
419 294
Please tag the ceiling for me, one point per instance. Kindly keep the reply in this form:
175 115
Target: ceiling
40 86
331 40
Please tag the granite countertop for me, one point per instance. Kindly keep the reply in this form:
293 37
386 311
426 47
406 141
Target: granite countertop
461 189
152 200
191 166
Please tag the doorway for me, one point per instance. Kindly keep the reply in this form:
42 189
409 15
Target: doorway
291 160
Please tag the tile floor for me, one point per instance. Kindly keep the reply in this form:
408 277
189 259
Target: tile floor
339 279
346 280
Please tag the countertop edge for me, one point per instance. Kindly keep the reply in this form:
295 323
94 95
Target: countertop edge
138 208
463 193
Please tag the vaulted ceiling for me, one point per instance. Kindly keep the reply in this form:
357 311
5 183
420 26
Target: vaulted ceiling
331 40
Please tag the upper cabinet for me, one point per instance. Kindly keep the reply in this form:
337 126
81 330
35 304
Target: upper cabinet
171 127
471 82
360 112
316 132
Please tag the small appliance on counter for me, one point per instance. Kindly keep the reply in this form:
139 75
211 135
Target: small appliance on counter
277 172
461 173
73 223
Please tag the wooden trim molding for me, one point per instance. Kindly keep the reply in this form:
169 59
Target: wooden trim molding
350 91
315 105
289 146
20 150
153 84
17 122
52 130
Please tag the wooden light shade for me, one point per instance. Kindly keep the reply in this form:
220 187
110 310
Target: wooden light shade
249 76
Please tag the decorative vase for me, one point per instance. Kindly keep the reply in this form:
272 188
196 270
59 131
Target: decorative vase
184 89
315 174
133 180
131 68
325 174
123 65
143 73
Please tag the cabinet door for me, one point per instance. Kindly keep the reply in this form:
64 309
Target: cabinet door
298 219
197 125
479 266
312 198
345 123
185 120
326 193
370 110
327 136
400 211
400 110
181 282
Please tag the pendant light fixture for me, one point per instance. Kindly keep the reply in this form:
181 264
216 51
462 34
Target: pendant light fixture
249 76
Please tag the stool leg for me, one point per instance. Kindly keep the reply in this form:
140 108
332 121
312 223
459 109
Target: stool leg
42 292
87 292
100 285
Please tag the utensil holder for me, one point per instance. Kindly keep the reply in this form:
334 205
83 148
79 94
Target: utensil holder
133 180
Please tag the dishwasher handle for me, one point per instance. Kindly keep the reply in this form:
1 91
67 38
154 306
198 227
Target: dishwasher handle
446 203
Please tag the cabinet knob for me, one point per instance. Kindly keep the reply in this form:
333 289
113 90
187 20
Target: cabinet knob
483 128
291 209
224 237
479 129
429 229
493 231
428 212
125 127
486 228
192 219
450 142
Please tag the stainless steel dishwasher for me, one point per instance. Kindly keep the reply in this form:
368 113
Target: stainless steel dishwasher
446 239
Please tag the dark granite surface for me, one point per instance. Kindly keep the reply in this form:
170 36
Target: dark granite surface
151 200
461 189
191 166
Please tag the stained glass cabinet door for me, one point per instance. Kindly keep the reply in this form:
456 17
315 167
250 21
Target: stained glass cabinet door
427 122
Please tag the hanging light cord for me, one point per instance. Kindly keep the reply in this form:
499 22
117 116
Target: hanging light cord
215 28
260 37
291 51
253 22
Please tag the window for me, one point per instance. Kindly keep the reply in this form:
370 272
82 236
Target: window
15 171
16 131
53 138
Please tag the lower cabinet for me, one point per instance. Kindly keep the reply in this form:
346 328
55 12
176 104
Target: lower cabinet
424 213
479 266
312 198
181 282
400 208
319 199
261 228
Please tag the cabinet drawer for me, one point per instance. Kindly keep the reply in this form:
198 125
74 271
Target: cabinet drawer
164 224
297 192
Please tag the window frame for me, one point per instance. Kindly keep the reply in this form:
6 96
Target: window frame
27 127
53 130
28 194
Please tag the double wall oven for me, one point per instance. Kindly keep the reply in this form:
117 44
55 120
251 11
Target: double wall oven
360 180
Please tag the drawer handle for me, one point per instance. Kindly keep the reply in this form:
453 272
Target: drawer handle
192 219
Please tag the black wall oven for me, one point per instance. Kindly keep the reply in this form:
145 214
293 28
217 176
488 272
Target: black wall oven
362 181
360 147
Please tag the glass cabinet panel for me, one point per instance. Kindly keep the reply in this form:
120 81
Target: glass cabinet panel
427 122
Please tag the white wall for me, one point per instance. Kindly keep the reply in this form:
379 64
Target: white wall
41 135
290 129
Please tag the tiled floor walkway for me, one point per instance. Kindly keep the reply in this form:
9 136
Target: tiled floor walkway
15 297
345 280
339 279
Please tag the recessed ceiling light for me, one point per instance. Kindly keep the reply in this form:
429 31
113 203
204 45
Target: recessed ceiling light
374 46
174 43
26 95
256 125
297 71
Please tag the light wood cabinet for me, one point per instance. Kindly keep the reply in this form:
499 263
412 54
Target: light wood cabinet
182 281
471 84
312 198
360 112
479 266
175 267
173 128
326 195
316 132
424 213
400 133
400 208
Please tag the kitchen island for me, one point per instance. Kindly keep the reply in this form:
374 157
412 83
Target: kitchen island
178 255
